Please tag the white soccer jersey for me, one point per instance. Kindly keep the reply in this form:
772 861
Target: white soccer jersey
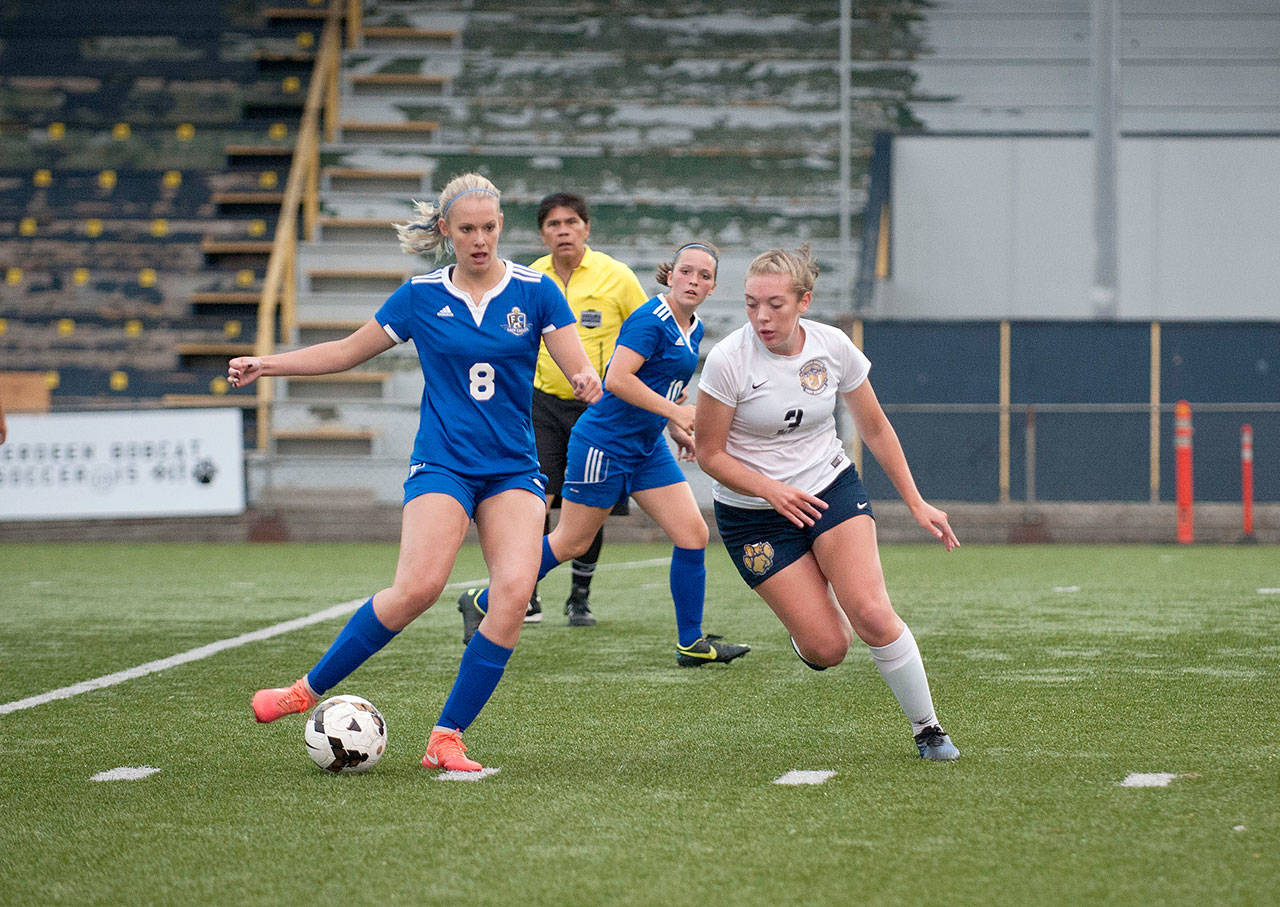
784 422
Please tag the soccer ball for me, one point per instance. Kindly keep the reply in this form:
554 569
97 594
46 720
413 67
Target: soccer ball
346 734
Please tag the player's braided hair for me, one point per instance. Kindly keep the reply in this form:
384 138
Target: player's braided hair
422 234
663 272
797 264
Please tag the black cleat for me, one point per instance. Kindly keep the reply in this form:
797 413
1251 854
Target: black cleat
578 607
472 613
707 649
533 611
934 745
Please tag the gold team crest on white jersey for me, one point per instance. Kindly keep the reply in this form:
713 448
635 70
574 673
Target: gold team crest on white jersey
757 557
814 376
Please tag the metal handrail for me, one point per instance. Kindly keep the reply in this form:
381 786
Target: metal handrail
279 287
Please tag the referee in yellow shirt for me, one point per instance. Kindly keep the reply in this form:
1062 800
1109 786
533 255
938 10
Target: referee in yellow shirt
602 292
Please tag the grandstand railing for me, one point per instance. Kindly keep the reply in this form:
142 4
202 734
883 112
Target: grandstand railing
279 301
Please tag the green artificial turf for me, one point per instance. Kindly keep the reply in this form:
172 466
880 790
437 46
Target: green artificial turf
1058 671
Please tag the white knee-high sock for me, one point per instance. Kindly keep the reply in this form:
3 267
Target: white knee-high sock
900 666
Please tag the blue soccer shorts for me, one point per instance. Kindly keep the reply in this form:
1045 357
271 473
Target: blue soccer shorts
596 478
468 490
762 542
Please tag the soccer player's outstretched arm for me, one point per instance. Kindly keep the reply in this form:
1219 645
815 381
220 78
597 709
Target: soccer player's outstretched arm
359 346
566 349
877 433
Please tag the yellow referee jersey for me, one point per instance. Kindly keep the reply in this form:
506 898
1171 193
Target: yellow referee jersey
602 292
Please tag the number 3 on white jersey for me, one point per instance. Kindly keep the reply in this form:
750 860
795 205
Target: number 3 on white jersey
482 383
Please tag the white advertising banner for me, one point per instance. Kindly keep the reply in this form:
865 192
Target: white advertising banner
184 462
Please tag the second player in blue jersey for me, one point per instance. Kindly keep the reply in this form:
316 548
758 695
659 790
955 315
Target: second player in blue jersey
617 448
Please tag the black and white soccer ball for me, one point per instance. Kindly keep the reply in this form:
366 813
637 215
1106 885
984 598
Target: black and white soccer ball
346 734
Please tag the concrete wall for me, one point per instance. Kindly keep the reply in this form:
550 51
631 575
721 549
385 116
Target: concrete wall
1001 227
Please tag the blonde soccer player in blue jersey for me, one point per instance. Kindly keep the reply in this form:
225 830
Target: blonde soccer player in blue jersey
790 507
477 326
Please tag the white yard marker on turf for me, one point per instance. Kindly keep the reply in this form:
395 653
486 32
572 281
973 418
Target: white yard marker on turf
468 776
213 648
804 776
1269 591
1066 588
125 773
1148 779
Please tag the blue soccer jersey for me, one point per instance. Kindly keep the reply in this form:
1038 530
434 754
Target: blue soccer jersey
477 364
670 357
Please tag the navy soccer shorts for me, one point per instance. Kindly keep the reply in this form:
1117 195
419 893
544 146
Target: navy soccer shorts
762 542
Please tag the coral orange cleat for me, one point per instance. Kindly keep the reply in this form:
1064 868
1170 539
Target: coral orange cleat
268 705
445 750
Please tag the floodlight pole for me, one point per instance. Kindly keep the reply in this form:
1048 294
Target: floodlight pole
1106 89
846 170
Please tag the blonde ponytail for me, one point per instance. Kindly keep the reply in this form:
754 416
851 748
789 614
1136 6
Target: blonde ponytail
422 235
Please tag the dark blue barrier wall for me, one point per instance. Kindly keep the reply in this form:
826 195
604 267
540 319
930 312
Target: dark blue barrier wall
950 454
1097 456
1223 362
1082 457
1216 456
933 361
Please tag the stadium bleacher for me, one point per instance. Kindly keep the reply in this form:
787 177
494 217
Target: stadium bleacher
133 230
674 123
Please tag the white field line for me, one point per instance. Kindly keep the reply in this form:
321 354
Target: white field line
125 773
213 648
804 776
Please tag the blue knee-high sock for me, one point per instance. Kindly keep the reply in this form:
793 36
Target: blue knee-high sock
549 562
688 590
482 665
363 635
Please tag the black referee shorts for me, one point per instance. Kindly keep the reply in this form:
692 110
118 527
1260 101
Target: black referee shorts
553 420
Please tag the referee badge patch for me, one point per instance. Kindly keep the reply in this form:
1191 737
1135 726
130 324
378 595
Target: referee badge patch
813 376
591 318
757 557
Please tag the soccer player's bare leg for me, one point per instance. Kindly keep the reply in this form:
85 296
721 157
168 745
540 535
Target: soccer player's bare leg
510 529
432 529
849 557
799 596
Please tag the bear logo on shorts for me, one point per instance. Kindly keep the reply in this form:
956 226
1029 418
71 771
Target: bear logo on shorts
757 557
